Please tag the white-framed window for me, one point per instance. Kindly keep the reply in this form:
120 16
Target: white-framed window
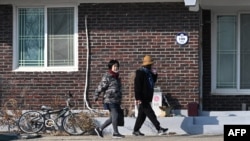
45 38
231 54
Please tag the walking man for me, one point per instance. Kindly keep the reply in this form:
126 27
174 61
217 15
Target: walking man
144 81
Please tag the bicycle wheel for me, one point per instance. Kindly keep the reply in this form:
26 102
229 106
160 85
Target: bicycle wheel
31 122
71 126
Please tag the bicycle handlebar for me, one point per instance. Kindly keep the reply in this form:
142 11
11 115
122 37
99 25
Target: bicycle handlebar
68 104
70 95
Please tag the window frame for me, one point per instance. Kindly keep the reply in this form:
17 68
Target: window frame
226 91
44 68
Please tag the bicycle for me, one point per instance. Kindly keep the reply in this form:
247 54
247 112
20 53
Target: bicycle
36 121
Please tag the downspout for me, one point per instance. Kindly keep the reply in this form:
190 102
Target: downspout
200 61
194 5
87 67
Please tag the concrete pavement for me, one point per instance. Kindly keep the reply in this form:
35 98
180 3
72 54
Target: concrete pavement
129 138
47 137
206 127
207 123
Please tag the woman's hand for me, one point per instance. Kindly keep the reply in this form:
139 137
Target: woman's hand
96 100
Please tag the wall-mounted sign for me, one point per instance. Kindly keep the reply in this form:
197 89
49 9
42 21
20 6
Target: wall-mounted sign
182 38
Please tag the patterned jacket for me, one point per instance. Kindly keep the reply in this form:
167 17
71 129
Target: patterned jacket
111 88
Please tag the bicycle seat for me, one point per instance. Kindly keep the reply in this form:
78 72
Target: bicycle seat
45 108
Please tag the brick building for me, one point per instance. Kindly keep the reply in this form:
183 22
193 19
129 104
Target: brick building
51 47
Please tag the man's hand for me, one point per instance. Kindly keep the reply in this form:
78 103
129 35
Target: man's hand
96 99
137 102
154 71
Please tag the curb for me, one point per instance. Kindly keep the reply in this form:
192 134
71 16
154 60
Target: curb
13 136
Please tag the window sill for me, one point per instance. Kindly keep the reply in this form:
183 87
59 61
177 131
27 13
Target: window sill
46 69
226 93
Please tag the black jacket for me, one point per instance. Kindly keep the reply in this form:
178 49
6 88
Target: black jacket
142 88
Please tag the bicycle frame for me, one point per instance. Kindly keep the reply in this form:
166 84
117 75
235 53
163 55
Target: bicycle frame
35 121
53 121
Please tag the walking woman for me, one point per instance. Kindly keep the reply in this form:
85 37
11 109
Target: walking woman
110 85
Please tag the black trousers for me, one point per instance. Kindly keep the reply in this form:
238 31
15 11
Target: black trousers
145 110
113 119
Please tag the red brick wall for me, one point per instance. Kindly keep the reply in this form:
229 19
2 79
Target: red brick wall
125 32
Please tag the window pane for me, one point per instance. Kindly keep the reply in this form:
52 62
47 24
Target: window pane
31 36
244 51
226 52
60 36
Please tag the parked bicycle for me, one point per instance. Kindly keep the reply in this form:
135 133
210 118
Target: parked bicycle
65 119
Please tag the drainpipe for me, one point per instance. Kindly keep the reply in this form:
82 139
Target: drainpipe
87 67
195 6
200 62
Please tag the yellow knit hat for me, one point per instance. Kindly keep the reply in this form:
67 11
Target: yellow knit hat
147 60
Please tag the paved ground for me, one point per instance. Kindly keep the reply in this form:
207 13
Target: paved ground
109 138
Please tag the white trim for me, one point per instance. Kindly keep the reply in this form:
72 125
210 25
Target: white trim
45 37
45 68
213 52
238 50
190 2
76 43
237 90
14 37
230 92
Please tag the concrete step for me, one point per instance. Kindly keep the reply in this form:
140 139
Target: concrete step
207 123
221 120
176 125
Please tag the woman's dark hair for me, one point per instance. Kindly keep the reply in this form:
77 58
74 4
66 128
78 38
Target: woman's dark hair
112 62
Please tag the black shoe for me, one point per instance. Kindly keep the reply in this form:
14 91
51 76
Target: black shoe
118 136
137 133
162 131
98 132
